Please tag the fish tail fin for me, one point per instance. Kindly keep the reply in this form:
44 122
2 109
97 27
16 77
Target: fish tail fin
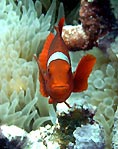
60 25
82 73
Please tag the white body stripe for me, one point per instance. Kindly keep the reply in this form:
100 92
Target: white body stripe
58 55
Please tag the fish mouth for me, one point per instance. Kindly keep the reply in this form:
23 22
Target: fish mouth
60 92
60 86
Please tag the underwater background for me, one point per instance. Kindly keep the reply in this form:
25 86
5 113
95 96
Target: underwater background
91 26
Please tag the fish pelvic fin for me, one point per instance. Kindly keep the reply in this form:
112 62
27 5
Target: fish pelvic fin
82 73
51 101
42 85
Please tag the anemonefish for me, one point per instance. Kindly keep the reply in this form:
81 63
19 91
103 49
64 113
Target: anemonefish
55 75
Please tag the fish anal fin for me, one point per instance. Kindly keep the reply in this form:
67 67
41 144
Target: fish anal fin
82 72
42 85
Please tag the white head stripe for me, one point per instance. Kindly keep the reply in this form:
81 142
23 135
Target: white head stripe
58 55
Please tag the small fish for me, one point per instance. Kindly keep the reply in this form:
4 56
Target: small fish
55 75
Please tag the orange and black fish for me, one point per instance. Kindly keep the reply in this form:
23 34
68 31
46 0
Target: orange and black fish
55 75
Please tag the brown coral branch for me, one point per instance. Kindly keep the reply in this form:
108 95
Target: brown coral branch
96 18
75 38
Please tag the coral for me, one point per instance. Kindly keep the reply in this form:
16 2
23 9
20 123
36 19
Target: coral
89 136
115 131
75 37
104 43
12 137
96 19
113 50
22 30
68 121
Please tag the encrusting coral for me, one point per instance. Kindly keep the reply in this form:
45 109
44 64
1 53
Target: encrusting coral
96 17
113 51
22 29
68 121
89 136
115 131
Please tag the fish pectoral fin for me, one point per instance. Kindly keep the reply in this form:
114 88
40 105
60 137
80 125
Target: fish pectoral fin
80 85
42 85
82 73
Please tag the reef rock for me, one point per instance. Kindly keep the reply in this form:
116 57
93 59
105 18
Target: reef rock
115 131
89 137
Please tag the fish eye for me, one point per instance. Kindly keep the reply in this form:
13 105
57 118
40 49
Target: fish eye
48 70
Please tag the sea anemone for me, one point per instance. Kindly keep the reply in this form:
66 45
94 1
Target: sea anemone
115 6
22 30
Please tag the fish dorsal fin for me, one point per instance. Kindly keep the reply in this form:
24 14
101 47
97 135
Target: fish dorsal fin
58 45
44 54
82 73
43 57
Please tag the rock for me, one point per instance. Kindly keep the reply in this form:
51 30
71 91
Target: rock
89 137
115 131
